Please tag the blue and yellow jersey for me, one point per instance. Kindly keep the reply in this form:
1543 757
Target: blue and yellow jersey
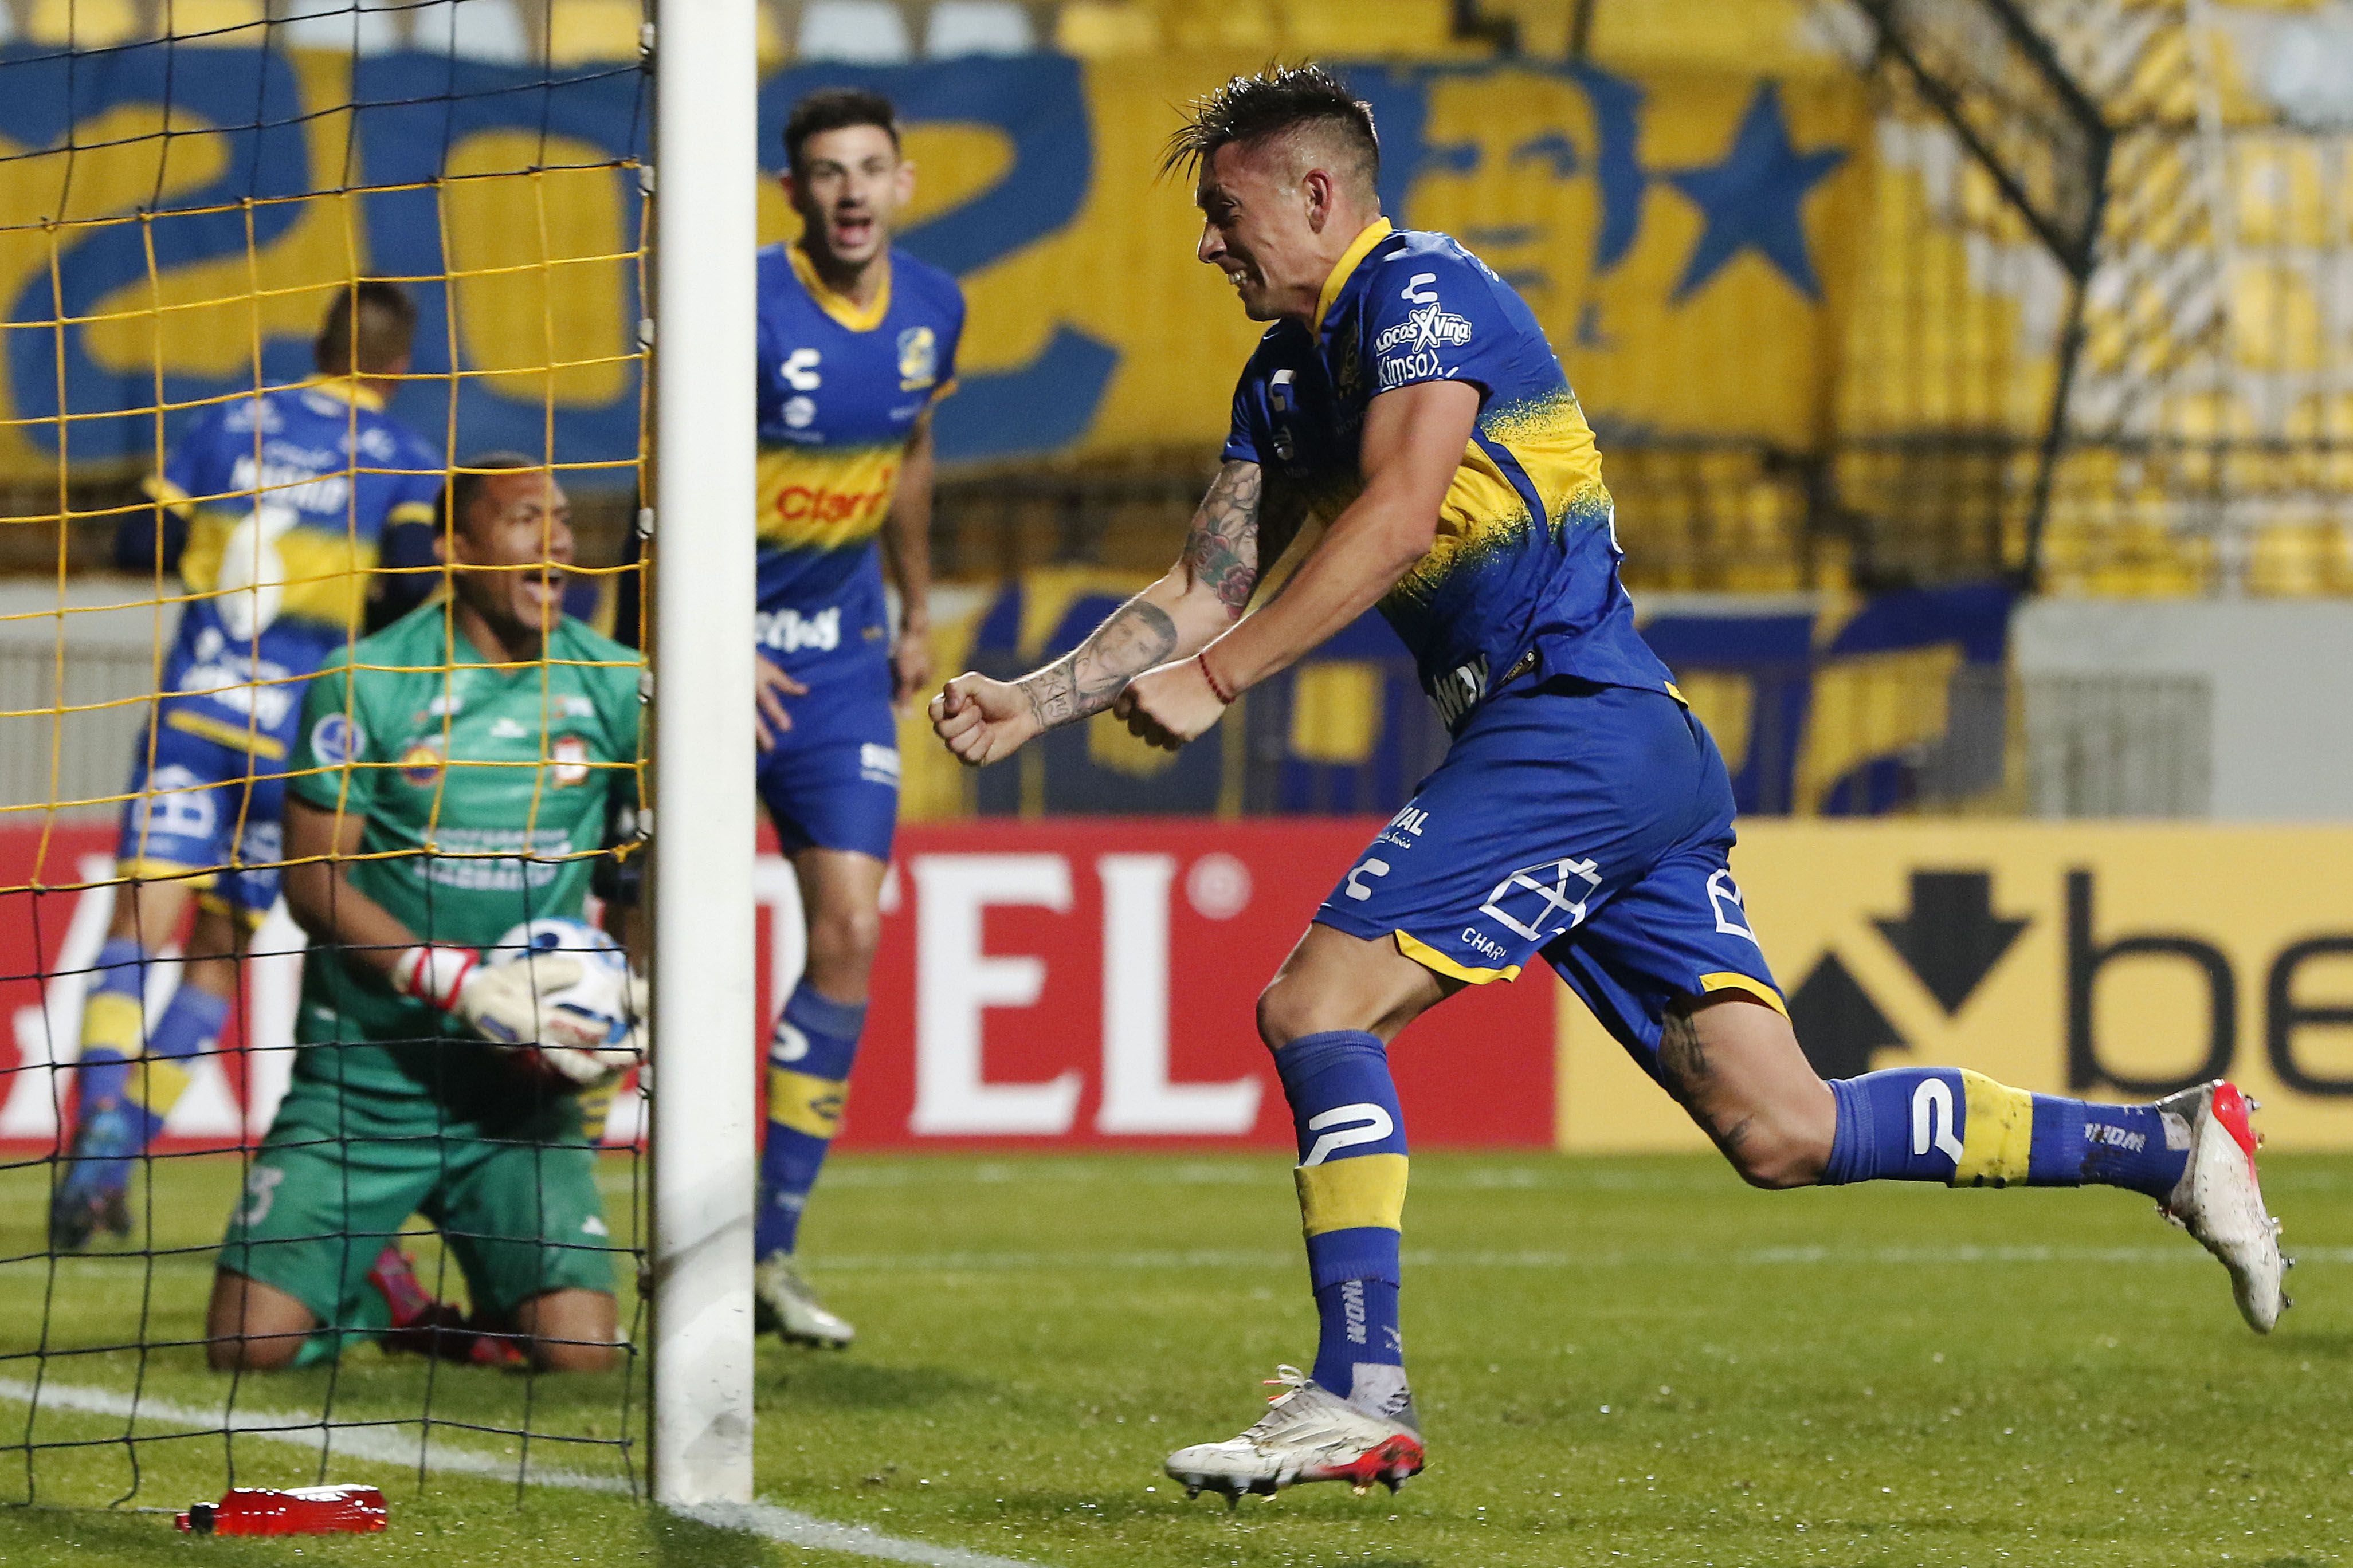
1524 572
842 389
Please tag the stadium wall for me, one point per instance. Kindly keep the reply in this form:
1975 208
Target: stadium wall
1089 984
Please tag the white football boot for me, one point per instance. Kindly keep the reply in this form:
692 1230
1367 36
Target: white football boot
782 1301
2219 1200
1310 1435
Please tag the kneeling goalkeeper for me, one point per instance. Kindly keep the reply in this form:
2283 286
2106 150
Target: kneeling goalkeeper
453 778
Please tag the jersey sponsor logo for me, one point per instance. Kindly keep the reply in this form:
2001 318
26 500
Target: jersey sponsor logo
506 729
799 370
1431 326
301 486
337 739
1415 293
878 764
1358 889
243 685
789 631
1404 827
570 753
1398 369
420 765
1480 941
799 411
1533 900
919 359
821 504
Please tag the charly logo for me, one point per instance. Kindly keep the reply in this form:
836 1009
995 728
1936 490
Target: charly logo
919 359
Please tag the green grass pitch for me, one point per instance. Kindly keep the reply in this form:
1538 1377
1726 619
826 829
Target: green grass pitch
1619 1362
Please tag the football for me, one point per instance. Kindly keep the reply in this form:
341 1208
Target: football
597 998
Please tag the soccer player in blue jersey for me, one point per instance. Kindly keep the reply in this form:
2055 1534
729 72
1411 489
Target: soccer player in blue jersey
1406 398
277 508
858 341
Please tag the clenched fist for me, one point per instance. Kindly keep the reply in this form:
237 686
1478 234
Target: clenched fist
982 719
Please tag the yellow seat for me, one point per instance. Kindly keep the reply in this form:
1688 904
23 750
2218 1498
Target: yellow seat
216 23
83 24
1421 28
1242 25
1106 29
587 32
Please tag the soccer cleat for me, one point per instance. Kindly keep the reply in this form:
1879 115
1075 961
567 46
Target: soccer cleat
432 1328
1310 1435
2220 1201
94 1194
783 1302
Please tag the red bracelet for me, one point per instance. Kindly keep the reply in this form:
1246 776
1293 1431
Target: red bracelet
1217 687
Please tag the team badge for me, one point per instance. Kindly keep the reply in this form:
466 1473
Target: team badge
919 359
336 741
421 763
570 754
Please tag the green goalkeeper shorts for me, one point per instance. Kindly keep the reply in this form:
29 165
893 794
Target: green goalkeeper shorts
323 1198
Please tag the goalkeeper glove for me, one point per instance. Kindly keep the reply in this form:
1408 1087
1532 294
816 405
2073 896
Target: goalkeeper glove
596 1059
500 1003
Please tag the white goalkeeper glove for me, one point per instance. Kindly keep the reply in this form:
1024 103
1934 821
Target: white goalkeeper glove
594 1060
500 1003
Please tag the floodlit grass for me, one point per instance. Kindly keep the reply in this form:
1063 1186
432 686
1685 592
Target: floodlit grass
1619 1362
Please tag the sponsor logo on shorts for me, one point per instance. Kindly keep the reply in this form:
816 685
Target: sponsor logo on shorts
1731 909
789 631
1480 941
878 764
337 739
1538 902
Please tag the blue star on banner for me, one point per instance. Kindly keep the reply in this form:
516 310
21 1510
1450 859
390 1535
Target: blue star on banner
1752 199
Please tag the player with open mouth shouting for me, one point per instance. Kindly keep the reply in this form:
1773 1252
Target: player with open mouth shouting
1406 399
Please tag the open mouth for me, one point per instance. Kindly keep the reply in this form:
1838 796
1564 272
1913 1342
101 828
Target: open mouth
851 231
542 595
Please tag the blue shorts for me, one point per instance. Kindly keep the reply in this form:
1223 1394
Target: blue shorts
1589 824
832 781
205 809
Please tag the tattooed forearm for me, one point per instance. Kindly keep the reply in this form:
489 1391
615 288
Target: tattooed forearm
1138 635
1221 551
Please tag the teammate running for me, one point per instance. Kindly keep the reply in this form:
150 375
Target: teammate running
858 341
1406 397
453 778
275 507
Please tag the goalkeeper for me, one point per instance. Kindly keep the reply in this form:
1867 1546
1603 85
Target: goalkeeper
453 778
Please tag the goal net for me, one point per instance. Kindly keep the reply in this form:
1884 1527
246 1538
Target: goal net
322 730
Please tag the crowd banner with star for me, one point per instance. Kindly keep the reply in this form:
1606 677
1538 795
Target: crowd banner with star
1687 239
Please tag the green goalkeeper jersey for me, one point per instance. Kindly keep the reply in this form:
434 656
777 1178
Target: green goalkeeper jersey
486 791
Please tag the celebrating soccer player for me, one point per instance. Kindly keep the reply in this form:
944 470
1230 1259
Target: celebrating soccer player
453 781
275 507
858 341
1406 397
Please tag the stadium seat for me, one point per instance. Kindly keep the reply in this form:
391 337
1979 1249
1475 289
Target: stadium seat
83 24
343 26
1416 27
1243 24
1106 29
868 32
2297 559
487 30
226 24
588 32
977 28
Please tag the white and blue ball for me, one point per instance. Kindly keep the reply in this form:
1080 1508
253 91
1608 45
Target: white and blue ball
600 997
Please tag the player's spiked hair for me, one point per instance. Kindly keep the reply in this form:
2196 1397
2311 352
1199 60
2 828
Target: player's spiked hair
367 329
835 109
1252 109
455 505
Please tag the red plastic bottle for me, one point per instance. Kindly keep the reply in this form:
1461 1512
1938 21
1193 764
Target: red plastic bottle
299 1511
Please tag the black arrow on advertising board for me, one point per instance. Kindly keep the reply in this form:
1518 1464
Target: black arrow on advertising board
1839 1026
1951 937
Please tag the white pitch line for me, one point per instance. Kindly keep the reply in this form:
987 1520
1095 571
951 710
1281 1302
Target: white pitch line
382 1445
1767 1257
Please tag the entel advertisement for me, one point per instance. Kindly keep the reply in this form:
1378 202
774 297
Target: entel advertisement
1059 985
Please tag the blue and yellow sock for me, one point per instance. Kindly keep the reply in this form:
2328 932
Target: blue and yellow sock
1351 1176
1961 1128
113 1021
809 1058
191 1024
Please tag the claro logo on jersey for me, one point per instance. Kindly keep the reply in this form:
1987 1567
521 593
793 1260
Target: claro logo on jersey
824 504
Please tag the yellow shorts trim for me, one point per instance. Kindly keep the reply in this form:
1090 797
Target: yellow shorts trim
1350 1195
805 1103
141 869
1731 980
1430 958
1998 1142
214 903
253 742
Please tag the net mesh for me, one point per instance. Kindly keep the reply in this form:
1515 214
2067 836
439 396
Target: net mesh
224 444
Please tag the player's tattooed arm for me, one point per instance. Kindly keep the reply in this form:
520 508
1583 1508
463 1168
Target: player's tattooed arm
1139 634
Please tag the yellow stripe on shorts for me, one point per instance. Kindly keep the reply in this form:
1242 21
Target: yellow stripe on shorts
805 1103
1349 1194
1999 1140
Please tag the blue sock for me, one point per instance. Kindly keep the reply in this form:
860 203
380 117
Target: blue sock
113 1021
1352 1178
809 1078
1961 1128
192 1022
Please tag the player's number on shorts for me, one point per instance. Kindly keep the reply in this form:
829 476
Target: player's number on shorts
1932 1119
261 1191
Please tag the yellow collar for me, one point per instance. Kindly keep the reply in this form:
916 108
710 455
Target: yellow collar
1358 248
841 307
344 389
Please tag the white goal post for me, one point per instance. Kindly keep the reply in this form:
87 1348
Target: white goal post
706 171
